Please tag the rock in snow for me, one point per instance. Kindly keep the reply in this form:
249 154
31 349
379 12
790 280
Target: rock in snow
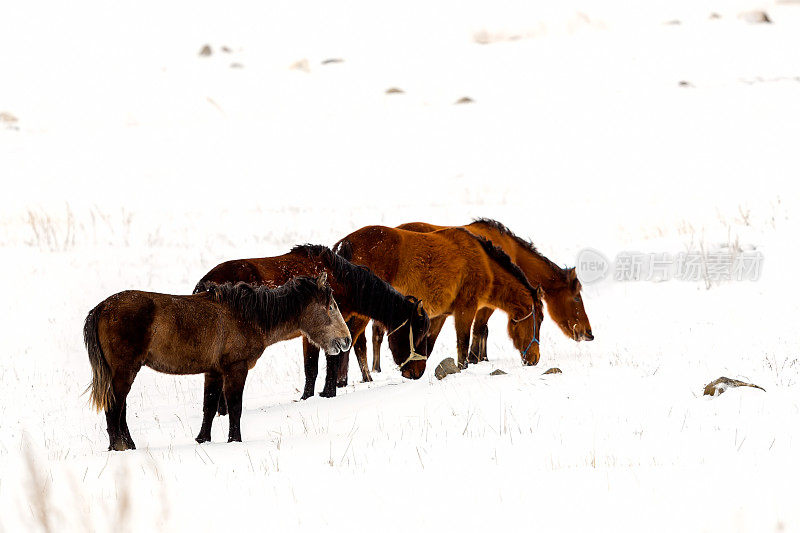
446 367
720 385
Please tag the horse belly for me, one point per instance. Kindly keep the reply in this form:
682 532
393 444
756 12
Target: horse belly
185 345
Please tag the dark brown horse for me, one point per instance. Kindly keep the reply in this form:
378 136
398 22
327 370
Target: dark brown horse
453 272
221 332
562 289
359 293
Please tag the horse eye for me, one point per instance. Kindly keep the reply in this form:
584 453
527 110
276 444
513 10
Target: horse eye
578 298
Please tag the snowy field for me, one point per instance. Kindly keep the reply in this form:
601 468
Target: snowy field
129 160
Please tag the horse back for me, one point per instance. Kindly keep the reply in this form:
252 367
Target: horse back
187 334
233 271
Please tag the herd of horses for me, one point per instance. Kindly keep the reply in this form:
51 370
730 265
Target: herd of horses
407 280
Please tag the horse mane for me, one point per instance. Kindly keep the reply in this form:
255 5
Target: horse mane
504 260
524 243
263 306
369 294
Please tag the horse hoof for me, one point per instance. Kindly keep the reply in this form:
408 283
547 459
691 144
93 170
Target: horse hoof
118 446
341 384
202 438
307 395
328 394
234 439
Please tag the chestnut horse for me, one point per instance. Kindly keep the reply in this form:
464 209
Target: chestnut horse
453 272
358 292
220 332
562 289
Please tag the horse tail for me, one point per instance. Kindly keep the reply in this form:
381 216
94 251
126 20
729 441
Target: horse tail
344 248
101 394
502 258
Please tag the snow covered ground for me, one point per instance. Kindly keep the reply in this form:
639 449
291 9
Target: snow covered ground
130 161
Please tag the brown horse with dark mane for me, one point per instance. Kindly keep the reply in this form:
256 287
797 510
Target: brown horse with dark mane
359 293
221 332
453 272
562 289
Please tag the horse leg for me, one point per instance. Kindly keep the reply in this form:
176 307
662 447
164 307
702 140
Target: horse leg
344 361
233 386
120 385
433 332
311 367
360 347
480 332
126 433
211 394
356 327
331 371
222 408
463 321
377 339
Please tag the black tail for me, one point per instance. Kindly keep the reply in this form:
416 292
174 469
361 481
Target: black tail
101 394
344 248
503 259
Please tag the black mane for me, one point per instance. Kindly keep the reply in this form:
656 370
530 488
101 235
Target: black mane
503 259
263 306
526 244
369 295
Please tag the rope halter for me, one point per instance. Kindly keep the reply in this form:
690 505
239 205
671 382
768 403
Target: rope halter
534 339
413 355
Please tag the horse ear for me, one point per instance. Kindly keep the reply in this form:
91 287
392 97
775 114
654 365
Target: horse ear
322 279
420 309
572 279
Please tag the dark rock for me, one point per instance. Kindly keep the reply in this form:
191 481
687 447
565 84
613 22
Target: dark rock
553 371
332 60
394 90
237 65
205 51
446 367
226 50
465 100
720 385
497 372
684 83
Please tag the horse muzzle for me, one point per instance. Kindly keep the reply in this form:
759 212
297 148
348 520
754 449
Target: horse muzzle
343 343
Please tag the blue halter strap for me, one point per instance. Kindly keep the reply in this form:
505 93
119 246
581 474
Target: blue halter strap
534 339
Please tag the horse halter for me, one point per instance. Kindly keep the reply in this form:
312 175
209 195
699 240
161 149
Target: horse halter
413 356
534 339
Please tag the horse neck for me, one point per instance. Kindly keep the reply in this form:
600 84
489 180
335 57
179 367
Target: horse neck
386 307
283 330
539 270
509 294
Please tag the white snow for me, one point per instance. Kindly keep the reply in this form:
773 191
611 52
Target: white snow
136 163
